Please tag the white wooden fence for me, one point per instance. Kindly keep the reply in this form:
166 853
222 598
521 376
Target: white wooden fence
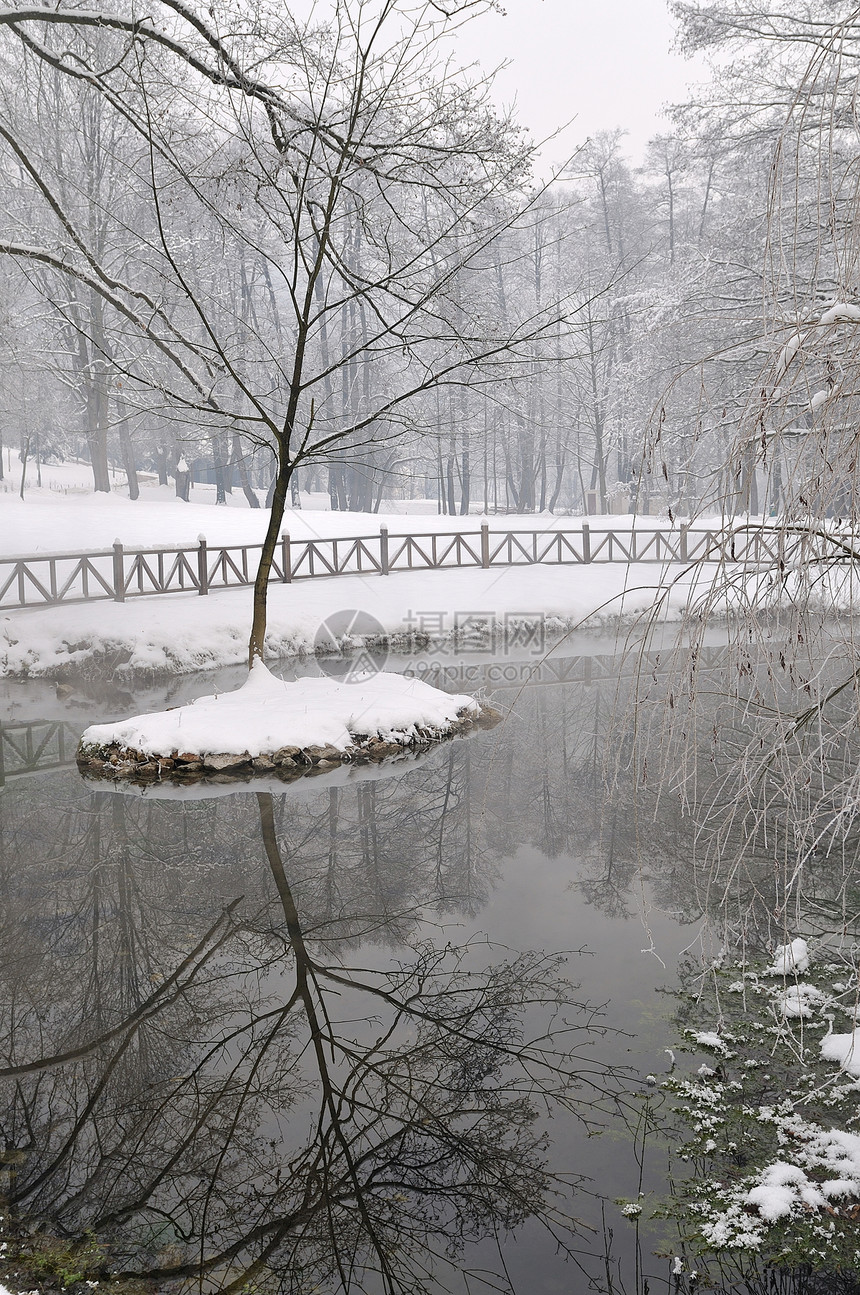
119 573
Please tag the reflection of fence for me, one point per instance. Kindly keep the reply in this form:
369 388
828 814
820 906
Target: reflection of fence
35 746
546 669
120 573
40 745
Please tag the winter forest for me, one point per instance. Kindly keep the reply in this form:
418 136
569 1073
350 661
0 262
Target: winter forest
245 239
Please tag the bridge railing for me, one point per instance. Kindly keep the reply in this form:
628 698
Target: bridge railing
119 573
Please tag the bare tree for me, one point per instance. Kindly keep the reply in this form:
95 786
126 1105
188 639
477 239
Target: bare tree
358 172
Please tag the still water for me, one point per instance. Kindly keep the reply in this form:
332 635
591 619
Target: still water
383 1030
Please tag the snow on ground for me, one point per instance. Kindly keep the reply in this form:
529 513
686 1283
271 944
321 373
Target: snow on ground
179 633
781 1188
266 714
67 517
710 1039
49 522
800 1000
183 633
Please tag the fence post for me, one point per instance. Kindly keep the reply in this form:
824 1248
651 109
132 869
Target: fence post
286 558
118 573
684 529
202 566
485 545
383 549
586 542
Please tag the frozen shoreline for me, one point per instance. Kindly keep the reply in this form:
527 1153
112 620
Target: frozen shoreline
180 633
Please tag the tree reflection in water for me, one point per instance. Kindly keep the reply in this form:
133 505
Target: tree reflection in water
291 1074
234 1085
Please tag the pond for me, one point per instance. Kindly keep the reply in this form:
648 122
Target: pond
389 1029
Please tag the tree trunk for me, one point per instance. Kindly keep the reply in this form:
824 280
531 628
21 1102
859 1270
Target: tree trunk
525 438
238 461
24 456
465 481
257 640
182 477
97 398
127 450
226 461
560 463
218 466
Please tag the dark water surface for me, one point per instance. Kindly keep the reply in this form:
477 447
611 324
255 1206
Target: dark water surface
287 1041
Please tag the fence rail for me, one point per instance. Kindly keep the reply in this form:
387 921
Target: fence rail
119 573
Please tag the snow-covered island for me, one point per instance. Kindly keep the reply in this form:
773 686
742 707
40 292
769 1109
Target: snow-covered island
288 729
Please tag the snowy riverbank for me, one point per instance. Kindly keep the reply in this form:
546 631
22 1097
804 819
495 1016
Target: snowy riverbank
179 633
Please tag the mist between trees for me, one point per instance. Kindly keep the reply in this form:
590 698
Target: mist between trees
276 253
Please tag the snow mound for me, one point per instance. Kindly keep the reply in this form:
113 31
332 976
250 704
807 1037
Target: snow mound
800 1000
782 1188
266 714
841 312
844 1048
789 959
709 1039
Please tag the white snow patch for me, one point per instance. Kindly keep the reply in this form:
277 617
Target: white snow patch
789 959
708 1039
841 312
734 1228
788 353
266 714
182 633
799 1000
818 399
844 1048
47 521
781 1189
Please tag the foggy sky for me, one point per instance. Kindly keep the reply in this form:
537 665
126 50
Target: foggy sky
606 63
